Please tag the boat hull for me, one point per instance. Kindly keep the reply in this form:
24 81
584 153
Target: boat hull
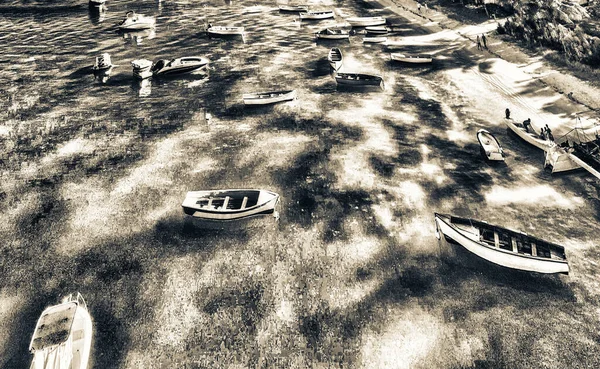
293 9
366 21
266 204
258 99
180 68
316 16
332 37
490 146
495 255
376 30
225 31
374 40
362 80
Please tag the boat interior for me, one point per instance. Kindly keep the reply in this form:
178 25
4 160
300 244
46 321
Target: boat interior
54 326
508 240
234 201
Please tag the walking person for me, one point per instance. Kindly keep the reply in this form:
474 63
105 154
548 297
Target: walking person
484 39
549 133
507 112
478 43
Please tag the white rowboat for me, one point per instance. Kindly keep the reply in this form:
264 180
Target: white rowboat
365 21
502 246
266 98
225 31
317 15
293 8
223 205
412 59
62 338
335 58
377 30
332 34
490 145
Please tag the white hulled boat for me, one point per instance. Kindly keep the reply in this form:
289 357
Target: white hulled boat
332 34
63 336
335 58
317 15
141 68
293 8
490 145
412 59
270 97
502 246
135 22
223 205
365 21
103 62
225 31
178 66
359 79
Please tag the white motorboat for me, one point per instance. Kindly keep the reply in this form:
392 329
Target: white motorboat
223 205
317 15
103 62
490 145
359 79
225 31
135 22
178 66
332 34
270 97
62 338
529 136
375 40
502 246
293 8
142 68
377 30
366 21
412 59
335 58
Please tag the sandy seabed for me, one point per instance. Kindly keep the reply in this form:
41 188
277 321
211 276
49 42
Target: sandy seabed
351 275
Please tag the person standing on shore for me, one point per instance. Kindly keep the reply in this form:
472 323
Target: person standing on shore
484 39
419 7
507 112
478 43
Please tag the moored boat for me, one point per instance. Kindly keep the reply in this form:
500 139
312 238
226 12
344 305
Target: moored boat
375 40
180 65
97 2
490 145
529 136
317 15
270 97
502 246
103 62
359 79
293 8
377 30
332 34
335 58
223 205
62 338
225 31
141 68
365 21
133 22
412 59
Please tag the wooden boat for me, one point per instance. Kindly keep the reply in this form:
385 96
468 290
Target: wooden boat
530 137
502 246
223 205
412 59
225 31
377 30
490 145
62 338
332 34
266 98
180 65
293 8
317 15
134 22
359 79
335 58
375 40
141 68
103 62
365 21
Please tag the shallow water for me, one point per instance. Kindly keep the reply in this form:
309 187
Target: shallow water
93 173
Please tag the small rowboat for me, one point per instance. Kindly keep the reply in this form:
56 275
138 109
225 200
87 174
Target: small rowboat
502 246
180 65
266 98
490 145
103 62
63 336
335 58
141 68
134 22
293 8
412 59
375 40
223 205
377 30
365 21
317 15
359 79
332 34
225 31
